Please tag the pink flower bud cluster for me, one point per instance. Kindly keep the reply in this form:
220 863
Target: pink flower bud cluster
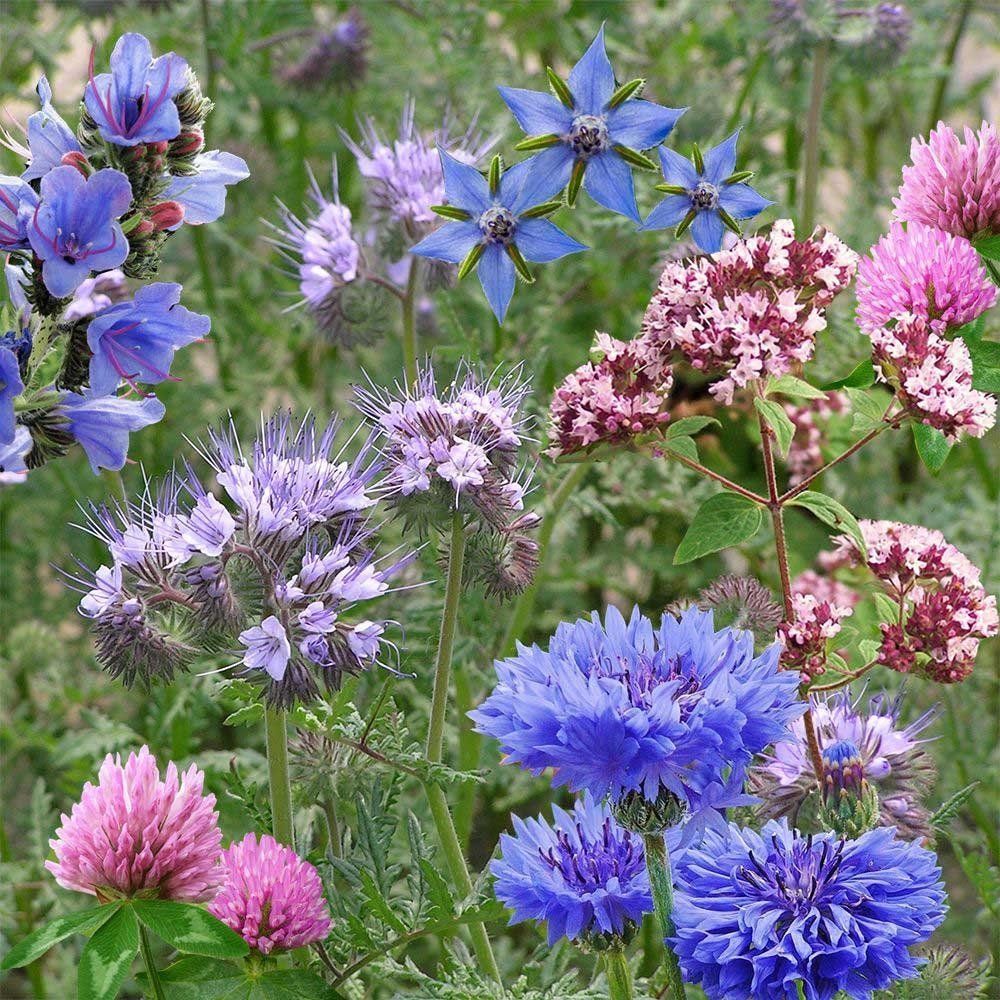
951 185
944 611
805 455
751 311
611 399
815 622
932 377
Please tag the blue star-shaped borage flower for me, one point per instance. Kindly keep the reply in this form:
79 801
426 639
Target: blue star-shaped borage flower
705 194
591 132
496 225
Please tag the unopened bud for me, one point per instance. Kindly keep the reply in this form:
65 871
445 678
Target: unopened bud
157 148
188 143
75 158
850 804
166 215
648 816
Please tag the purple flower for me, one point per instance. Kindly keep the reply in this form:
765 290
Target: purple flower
203 194
10 387
101 424
95 294
267 647
705 194
75 230
136 341
583 874
590 128
49 137
134 102
497 235
14 453
17 201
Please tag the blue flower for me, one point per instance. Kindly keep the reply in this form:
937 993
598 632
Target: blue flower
17 202
592 129
11 386
101 424
203 194
757 913
619 707
75 230
49 137
134 102
14 453
705 194
493 228
583 874
136 341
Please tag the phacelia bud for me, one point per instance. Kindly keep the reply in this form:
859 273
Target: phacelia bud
850 804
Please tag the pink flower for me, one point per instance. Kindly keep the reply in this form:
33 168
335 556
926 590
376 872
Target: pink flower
134 834
815 622
271 896
924 271
952 186
810 418
622 394
751 311
932 377
825 588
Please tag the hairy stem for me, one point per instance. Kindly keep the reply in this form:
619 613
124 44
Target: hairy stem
410 321
332 826
469 746
619 976
661 884
151 971
719 478
810 179
277 772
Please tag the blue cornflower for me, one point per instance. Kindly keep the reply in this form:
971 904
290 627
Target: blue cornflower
494 228
758 913
136 341
583 873
101 424
134 102
203 194
49 137
622 708
11 386
75 230
593 131
705 194
17 202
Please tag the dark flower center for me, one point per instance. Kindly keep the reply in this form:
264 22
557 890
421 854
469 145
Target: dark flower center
498 225
705 195
591 866
588 135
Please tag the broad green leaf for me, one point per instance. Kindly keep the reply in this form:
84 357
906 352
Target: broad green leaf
886 609
292 984
39 942
108 956
683 446
932 447
868 648
775 417
831 512
189 928
988 247
721 521
789 385
868 410
204 979
687 426
972 331
862 377
985 365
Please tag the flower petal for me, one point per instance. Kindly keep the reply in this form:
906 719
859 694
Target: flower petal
451 242
720 161
592 80
541 241
707 230
668 212
677 169
465 187
741 201
536 112
608 181
537 179
641 124
204 194
496 275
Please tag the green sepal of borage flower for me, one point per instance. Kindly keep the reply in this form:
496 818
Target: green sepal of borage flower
451 212
493 176
559 87
472 258
635 158
520 264
685 224
631 89
728 221
535 142
546 208
575 180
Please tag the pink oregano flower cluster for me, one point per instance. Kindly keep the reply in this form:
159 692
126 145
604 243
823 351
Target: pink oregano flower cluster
817 613
943 610
810 419
618 395
271 897
751 311
135 834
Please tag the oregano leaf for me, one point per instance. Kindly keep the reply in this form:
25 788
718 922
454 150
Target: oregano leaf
723 520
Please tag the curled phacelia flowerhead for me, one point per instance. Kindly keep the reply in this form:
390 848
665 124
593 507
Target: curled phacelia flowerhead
583 874
270 896
751 311
137 834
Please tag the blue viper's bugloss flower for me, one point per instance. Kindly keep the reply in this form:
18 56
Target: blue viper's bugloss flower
75 230
134 102
583 874
620 706
757 913
49 137
590 130
496 223
17 203
10 386
203 194
136 341
706 192
101 424
13 454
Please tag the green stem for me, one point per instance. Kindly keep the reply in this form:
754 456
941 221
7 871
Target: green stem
277 772
469 748
332 826
748 82
814 124
22 904
151 971
652 947
619 976
410 321
661 884
526 601
937 104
